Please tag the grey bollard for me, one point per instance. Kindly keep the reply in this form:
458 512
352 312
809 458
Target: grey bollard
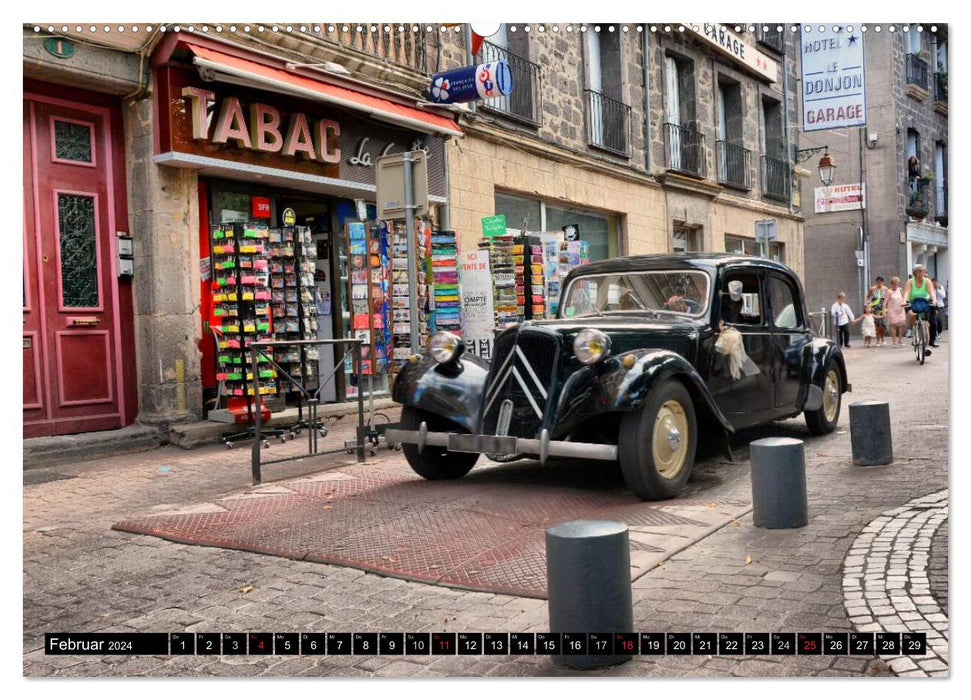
588 574
870 434
779 483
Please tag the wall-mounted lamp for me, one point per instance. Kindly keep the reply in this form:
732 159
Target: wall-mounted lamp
871 141
826 167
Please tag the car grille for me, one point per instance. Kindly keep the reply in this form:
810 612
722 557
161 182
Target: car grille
523 372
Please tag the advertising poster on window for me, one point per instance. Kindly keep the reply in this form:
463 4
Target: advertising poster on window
478 315
833 80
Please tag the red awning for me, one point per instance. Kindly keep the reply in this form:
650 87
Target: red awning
280 80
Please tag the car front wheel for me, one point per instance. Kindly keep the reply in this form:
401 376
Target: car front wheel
657 444
434 462
824 419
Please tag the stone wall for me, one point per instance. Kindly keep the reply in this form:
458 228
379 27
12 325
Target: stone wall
163 207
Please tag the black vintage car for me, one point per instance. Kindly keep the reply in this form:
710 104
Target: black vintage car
629 371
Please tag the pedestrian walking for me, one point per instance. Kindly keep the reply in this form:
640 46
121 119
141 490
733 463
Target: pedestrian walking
896 318
877 301
941 293
868 326
842 318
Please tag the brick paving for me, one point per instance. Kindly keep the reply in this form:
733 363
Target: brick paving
79 575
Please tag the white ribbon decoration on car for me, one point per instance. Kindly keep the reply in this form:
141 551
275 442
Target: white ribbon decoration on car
731 345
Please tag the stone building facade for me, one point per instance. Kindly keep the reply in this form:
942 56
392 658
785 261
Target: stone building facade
581 140
905 218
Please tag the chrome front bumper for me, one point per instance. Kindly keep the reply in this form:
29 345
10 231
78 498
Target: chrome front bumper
541 447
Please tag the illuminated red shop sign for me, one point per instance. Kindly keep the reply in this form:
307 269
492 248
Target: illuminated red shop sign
261 128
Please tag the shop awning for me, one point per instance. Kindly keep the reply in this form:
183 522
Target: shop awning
250 72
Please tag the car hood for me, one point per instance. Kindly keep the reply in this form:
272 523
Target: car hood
629 332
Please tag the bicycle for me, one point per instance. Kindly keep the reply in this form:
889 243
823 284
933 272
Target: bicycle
920 307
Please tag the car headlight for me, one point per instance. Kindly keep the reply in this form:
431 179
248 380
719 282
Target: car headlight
591 346
445 347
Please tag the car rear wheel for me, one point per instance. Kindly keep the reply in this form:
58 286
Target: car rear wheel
657 444
434 462
824 419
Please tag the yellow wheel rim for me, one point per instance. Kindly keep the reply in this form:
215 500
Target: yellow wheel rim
831 396
670 443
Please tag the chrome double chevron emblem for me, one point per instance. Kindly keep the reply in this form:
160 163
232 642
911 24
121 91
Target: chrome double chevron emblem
510 366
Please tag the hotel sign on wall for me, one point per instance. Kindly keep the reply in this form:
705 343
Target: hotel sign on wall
833 81
731 44
850 197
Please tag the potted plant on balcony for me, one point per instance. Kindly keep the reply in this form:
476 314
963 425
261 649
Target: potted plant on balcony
926 179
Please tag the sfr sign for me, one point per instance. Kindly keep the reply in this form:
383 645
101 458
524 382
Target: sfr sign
261 128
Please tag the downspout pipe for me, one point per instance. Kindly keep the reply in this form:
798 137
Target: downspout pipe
647 99
785 123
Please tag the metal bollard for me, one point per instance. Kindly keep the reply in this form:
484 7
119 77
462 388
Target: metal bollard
588 574
779 483
870 434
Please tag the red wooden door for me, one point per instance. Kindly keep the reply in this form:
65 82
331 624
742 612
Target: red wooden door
72 375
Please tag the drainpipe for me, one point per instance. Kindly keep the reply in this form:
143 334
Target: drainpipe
469 58
785 122
445 224
647 99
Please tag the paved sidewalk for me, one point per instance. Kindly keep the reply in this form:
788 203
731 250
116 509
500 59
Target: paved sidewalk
79 575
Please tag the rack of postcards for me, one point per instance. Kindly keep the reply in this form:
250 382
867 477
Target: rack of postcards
241 303
558 258
292 260
502 263
535 286
369 279
401 291
445 282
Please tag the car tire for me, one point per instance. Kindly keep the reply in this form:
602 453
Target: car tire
434 463
823 420
657 444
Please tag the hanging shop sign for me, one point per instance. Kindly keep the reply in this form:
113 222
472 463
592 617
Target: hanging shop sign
833 81
260 207
478 315
471 83
244 125
289 217
494 225
850 197
730 44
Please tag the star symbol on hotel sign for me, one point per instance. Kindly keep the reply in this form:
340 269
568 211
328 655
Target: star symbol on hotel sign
853 39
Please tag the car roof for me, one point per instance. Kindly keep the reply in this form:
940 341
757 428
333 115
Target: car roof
706 261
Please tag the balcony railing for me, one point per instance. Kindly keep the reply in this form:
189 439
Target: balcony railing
916 71
608 123
940 87
524 103
734 165
941 205
918 204
391 42
775 178
684 150
769 36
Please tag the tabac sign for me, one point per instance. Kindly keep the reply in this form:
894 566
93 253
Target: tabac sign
731 44
833 81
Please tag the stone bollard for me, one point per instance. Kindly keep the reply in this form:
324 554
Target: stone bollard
779 483
870 434
588 574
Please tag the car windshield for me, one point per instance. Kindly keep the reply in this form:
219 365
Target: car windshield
677 291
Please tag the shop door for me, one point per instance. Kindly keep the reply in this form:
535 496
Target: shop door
72 378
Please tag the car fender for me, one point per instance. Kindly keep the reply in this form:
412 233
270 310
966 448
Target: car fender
816 356
452 390
624 389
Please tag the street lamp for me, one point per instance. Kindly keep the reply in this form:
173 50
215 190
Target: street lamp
826 167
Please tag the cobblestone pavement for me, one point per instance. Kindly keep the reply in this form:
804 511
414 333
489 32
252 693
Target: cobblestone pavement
81 576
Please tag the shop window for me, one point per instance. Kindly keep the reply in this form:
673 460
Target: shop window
741 246
519 212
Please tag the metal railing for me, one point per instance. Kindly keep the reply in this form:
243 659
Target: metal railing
917 197
734 164
608 123
775 178
525 102
940 87
767 34
684 150
392 42
916 71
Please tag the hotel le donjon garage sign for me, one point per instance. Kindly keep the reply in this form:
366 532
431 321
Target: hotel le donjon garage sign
833 80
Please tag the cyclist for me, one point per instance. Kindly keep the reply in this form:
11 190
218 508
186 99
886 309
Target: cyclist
919 287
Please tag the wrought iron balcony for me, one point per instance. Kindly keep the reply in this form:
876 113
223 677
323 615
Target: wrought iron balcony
684 150
525 102
940 87
392 42
775 178
608 123
918 204
940 208
734 165
916 71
